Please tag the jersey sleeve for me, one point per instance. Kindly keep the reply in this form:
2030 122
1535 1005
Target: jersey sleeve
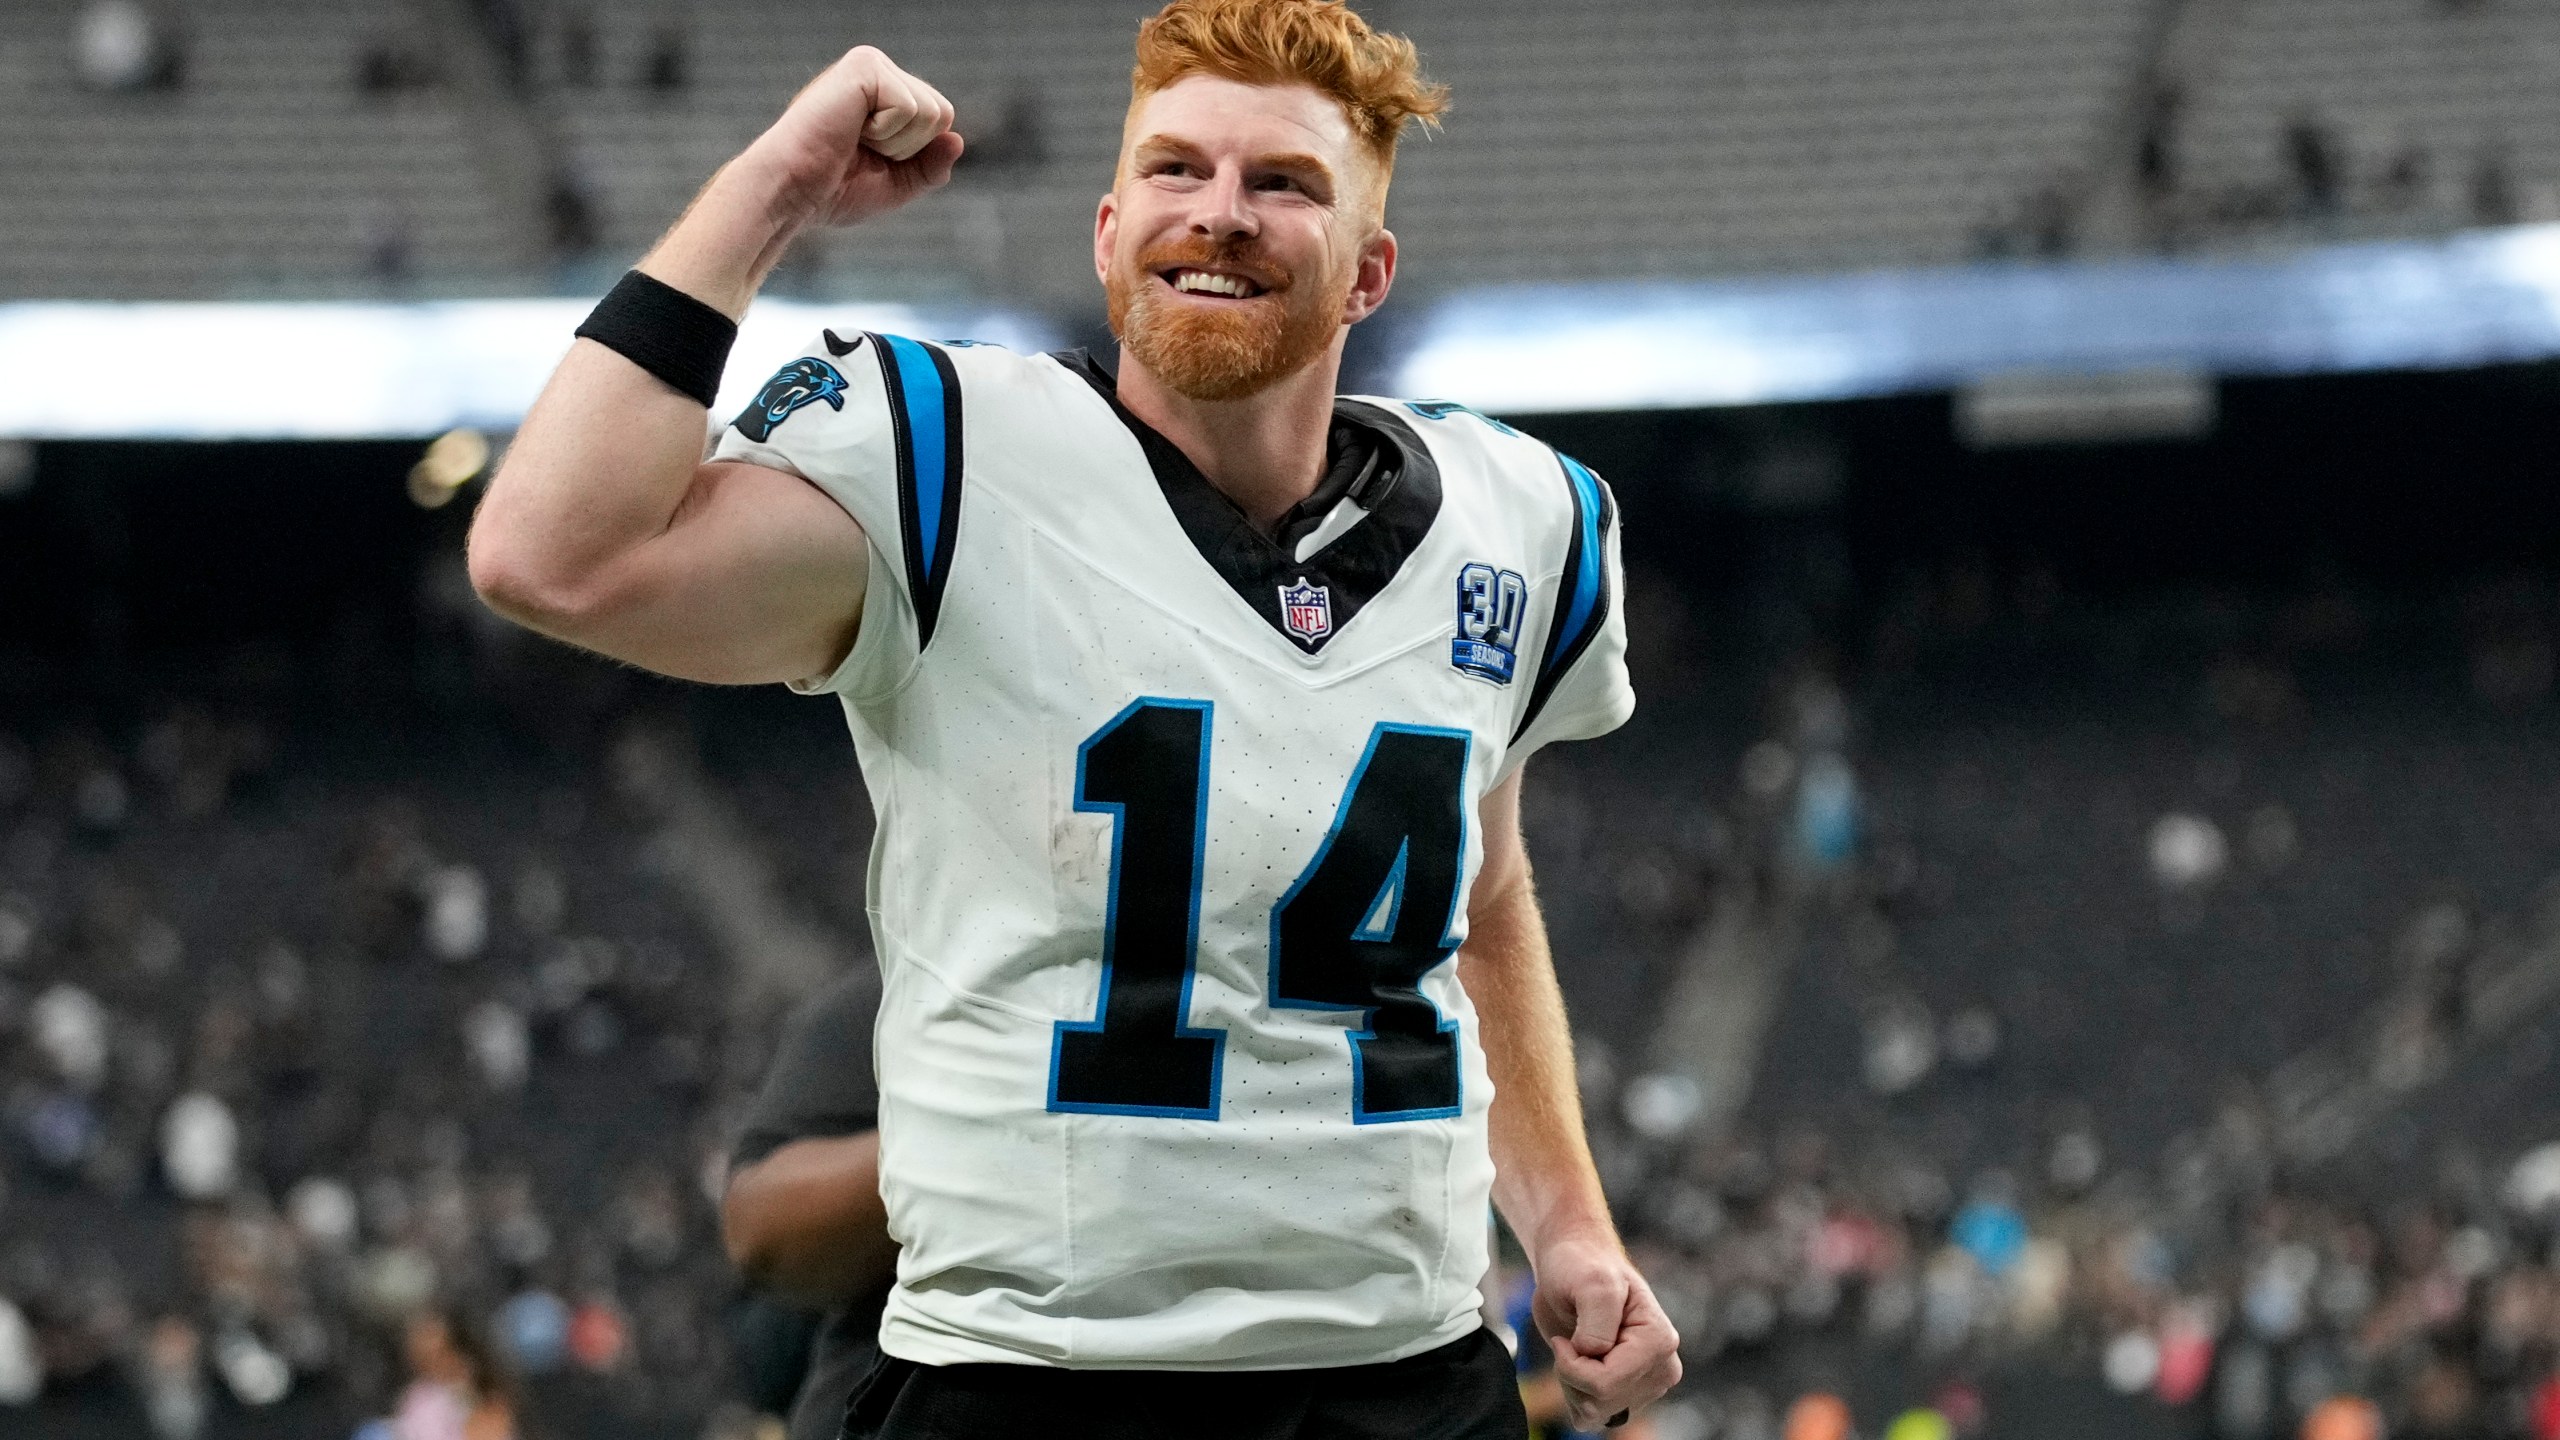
1581 689
874 421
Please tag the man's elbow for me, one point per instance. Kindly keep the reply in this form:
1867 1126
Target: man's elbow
502 584
510 577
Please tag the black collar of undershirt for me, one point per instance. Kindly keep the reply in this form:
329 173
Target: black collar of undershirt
1372 458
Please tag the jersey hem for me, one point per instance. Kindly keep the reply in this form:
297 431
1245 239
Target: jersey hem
908 1341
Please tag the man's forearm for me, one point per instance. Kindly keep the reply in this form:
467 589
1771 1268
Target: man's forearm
1544 1182
807 1223
1614 1348
731 237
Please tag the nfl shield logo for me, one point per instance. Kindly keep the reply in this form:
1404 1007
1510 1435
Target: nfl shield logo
1306 611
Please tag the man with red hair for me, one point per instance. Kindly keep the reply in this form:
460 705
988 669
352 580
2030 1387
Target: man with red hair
1193 701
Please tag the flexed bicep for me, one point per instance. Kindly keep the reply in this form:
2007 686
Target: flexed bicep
758 578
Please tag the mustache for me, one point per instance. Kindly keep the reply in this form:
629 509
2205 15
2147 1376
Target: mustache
1197 254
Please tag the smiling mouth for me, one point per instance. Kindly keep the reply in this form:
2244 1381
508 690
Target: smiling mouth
1212 283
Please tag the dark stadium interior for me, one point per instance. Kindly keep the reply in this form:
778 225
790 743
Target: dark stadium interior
2339 611
2068 947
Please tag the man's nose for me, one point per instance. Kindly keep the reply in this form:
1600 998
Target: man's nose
1221 212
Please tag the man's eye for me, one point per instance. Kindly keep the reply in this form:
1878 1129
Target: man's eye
1278 182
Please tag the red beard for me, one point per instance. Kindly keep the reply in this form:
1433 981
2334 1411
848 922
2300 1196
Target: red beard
1224 350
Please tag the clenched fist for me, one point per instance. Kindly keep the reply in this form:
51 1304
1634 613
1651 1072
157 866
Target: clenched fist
862 139
1615 1350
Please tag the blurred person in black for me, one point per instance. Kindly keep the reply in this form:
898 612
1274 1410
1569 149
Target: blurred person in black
802 1216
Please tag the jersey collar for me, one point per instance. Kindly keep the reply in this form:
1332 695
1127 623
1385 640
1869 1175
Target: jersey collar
1373 460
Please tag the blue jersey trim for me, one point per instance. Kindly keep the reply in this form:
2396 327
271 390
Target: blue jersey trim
924 412
1585 598
1582 603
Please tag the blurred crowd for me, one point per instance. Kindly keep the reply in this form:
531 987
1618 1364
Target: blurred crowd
382 1076
2240 1305
326 1081
2171 1016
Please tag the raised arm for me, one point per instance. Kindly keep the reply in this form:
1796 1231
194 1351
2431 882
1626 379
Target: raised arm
604 527
1614 1347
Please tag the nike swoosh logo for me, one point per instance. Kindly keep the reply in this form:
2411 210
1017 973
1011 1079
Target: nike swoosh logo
842 348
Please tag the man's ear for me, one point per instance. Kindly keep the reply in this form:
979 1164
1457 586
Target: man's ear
1376 276
1106 232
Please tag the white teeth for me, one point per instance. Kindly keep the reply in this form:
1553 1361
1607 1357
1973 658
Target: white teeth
1194 281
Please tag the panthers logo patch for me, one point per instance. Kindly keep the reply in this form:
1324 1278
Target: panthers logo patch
799 383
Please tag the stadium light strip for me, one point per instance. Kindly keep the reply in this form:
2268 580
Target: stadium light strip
295 370
2481 298
219 371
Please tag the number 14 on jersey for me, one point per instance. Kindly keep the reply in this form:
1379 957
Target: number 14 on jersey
1367 919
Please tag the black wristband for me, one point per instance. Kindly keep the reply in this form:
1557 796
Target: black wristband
666 332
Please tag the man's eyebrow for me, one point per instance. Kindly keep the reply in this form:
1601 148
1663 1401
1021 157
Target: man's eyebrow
1293 161
1164 145
1161 146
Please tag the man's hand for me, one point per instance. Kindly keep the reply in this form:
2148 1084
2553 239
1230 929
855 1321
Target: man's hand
1615 1349
862 139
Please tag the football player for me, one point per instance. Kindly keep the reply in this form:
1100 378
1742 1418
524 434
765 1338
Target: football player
1193 701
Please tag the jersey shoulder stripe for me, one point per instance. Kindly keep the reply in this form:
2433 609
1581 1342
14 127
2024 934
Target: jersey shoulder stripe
924 416
1582 598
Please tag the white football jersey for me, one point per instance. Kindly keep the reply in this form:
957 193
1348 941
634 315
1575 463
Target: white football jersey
1176 828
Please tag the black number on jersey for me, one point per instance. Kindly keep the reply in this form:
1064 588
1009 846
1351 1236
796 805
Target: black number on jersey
1149 770
1372 915
1358 931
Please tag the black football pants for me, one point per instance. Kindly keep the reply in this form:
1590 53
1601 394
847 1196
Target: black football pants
1464 1390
